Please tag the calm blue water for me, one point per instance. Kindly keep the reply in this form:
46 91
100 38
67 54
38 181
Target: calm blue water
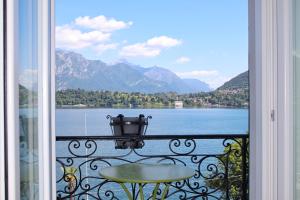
164 121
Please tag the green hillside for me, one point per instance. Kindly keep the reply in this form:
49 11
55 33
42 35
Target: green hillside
240 82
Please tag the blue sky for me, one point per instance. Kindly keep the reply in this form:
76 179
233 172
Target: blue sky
203 39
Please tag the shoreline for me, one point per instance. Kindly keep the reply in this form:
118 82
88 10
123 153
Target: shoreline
149 107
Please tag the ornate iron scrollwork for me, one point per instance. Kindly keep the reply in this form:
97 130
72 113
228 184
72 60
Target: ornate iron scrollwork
221 172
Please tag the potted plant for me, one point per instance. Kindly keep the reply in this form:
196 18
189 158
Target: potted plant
131 128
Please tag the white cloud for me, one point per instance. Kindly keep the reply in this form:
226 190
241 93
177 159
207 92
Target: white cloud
150 48
101 23
198 73
183 60
100 48
71 38
163 42
139 49
211 77
89 32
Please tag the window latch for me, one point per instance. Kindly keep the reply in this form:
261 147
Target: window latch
273 115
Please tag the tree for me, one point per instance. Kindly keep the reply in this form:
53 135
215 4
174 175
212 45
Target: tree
233 155
237 98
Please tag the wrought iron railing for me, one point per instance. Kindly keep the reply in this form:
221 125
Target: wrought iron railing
220 163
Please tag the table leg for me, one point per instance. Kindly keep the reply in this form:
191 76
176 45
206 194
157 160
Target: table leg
141 191
164 194
129 195
154 194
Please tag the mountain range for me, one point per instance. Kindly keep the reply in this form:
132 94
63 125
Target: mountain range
73 71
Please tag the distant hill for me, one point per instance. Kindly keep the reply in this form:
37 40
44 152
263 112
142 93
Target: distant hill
240 82
197 85
73 71
234 92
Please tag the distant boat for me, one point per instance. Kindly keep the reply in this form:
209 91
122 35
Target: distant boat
178 104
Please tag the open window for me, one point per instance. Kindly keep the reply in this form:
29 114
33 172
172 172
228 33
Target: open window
84 140
186 66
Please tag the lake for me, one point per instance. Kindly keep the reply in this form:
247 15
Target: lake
164 121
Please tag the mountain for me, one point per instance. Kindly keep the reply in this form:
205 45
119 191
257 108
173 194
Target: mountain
74 71
173 82
197 85
240 82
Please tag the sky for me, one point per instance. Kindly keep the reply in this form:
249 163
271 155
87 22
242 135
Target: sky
202 39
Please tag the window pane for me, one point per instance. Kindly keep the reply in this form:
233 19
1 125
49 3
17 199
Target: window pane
28 104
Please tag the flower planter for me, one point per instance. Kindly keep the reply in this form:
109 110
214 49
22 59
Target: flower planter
131 128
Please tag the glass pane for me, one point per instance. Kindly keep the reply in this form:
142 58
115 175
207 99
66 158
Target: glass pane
297 94
28 103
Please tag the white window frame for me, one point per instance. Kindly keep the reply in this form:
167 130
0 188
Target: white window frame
11 97
270 65
47 157
45 105
285 96
52 108
2 137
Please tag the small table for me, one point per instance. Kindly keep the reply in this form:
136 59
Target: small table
146 173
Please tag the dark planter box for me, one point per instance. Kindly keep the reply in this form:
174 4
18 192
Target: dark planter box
131 128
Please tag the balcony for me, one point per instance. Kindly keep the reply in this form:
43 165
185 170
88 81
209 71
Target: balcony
220 162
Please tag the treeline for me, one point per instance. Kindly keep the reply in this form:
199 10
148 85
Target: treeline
109 99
